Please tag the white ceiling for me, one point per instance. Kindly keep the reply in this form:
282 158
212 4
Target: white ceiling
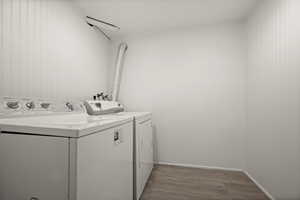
136 16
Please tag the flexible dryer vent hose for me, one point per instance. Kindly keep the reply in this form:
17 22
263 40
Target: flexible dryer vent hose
119 66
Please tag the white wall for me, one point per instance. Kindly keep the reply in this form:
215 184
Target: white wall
47 50
273 139
194 83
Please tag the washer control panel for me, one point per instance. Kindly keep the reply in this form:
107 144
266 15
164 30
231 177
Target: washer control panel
29 106
99 107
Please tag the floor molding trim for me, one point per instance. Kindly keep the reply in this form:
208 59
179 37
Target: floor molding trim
260 186
200 166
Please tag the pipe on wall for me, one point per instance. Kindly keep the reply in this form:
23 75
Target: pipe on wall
119 66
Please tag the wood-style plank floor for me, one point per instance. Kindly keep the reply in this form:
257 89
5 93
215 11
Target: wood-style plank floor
180 183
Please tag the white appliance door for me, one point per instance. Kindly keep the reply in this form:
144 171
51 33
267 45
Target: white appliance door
33 167
148 149
144 154
105 165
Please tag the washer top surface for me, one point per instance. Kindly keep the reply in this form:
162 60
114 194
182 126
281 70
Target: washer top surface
52 118
62 125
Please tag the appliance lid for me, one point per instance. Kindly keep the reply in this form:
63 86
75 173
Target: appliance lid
65 125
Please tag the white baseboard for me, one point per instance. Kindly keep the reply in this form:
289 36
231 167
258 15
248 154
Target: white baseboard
199 166
260 186
220 168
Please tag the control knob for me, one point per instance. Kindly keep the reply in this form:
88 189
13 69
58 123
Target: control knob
13 104
30 105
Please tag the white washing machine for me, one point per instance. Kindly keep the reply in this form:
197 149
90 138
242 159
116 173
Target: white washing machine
58 152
